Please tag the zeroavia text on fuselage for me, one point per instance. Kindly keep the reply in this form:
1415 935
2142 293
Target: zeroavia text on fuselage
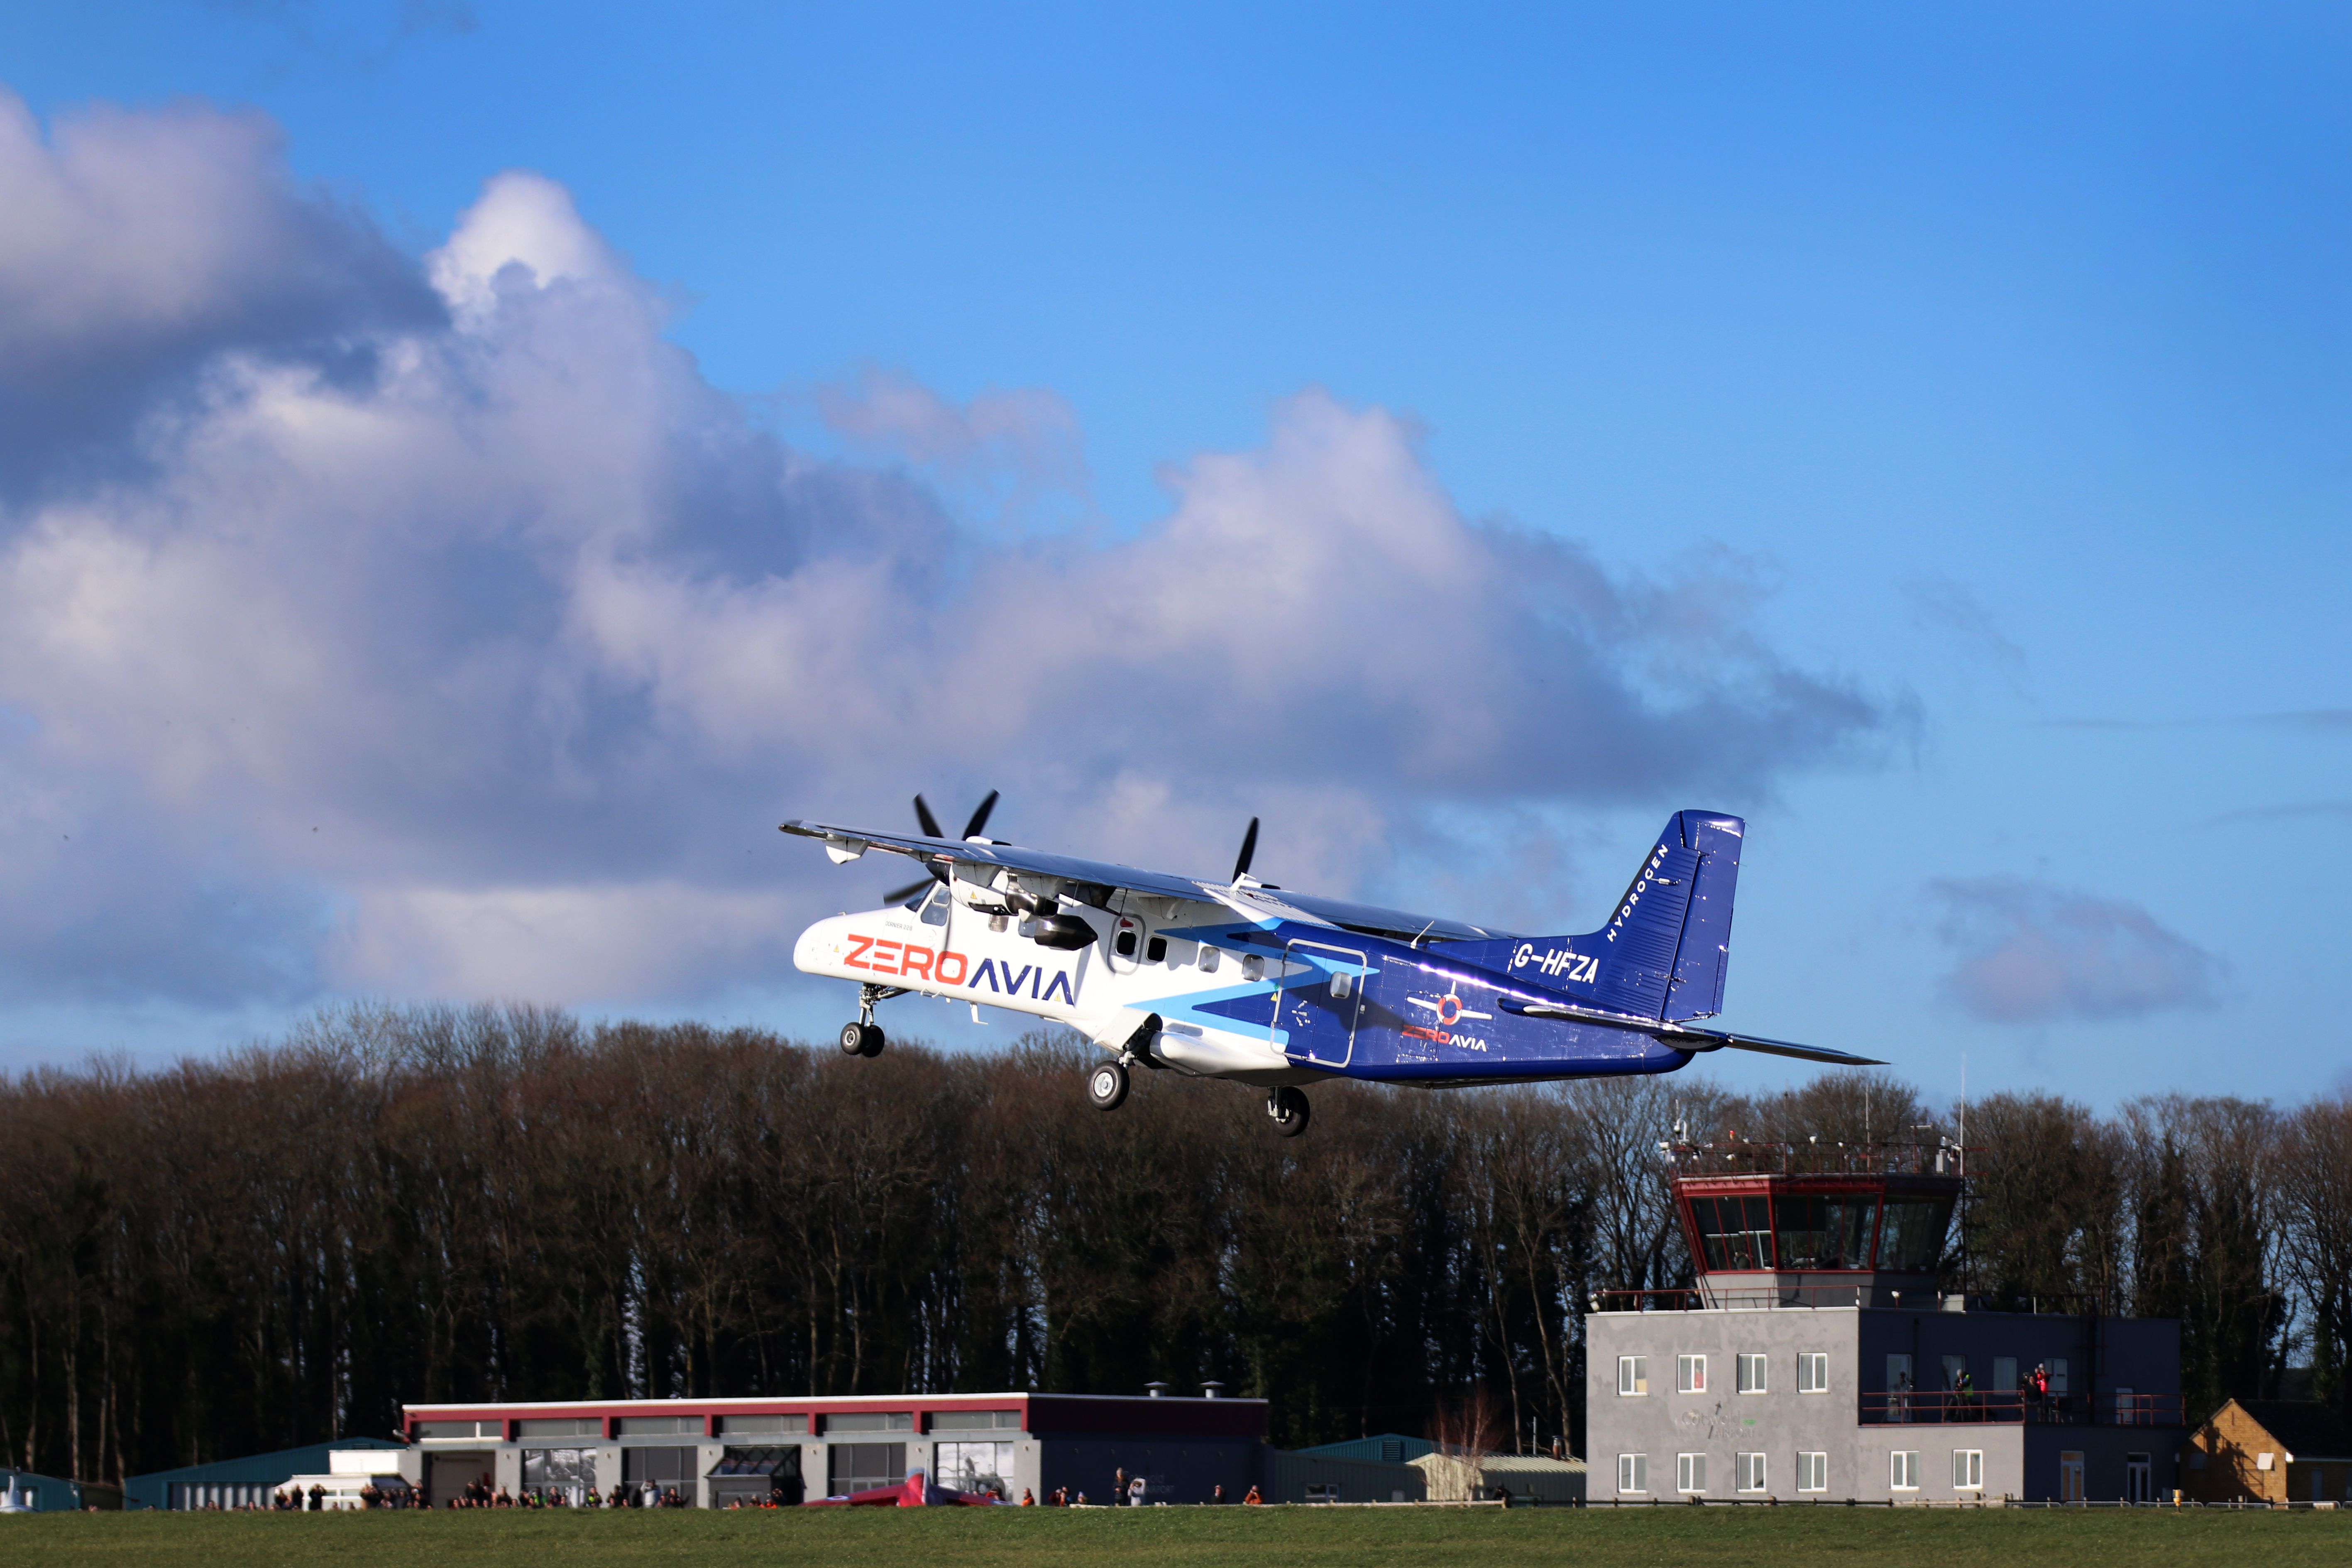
1247 981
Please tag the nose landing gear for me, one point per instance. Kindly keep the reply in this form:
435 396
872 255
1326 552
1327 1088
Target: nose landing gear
1287 1107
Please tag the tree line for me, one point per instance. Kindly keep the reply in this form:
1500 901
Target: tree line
282 1245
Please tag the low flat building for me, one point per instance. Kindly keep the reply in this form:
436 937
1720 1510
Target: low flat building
251 1482
1816 1359
33 1492
714 1452
2272 1451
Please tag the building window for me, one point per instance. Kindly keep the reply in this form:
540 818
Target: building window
763 1426
1814 1472
872 1421
1632 1375
1633 1472
975 1466
2004 1375
1968 1469
1751 1471
586 1427
1813 1371
1690 1473
1690 1375
863 1467
658 1427
658 1469
2263 1461
1903 1470
1751 1371
560 1471
2069 1477
2057 1365
976 1421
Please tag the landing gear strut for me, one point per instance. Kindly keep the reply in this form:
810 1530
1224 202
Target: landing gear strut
865 1038
1288 1109
1107 1085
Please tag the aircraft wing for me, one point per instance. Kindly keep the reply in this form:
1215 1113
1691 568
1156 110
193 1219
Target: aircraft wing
1684 1038
1093 881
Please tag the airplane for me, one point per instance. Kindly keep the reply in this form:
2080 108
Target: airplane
1247 981
915 1491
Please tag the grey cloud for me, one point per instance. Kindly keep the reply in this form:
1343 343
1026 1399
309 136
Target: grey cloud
139 247
2028 953
490 670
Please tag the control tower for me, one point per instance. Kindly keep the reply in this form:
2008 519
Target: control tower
1819 1353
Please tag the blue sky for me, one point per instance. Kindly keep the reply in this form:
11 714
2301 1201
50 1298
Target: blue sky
1949 414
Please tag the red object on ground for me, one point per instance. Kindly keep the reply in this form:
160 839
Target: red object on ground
915 1491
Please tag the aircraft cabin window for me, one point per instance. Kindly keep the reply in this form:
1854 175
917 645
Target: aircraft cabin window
1125 945
1209 956
1156 951
1341 983
1253 966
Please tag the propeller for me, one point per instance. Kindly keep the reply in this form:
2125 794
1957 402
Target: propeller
930 826
1249 851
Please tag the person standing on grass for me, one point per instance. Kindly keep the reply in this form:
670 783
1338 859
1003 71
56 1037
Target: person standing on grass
1136 1490
1217 1492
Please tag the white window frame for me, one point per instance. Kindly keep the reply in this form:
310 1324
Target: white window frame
1690 1375
1634 1473
1690 1474
1749 1372
1813 1470
1633 1376
1903 1470
1747 1470
1813 1372
1968 1469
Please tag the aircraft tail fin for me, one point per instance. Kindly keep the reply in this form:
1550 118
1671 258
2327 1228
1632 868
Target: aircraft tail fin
1665 949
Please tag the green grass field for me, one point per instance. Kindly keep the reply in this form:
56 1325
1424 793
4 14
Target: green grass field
1040 1538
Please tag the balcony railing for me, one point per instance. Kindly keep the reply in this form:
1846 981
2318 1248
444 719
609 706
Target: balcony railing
1920 1408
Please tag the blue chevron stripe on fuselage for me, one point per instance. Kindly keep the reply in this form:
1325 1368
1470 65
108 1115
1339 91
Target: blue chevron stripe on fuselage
1407 1015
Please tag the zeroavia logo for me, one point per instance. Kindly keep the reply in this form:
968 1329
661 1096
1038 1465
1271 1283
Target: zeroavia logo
1440 1037
882 956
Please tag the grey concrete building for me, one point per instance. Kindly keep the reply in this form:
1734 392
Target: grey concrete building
1817 1360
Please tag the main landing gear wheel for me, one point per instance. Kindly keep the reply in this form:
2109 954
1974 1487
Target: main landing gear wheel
1107 1085
859 1039
1287 1107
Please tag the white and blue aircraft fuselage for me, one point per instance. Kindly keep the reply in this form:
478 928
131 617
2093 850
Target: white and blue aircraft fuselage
1243 980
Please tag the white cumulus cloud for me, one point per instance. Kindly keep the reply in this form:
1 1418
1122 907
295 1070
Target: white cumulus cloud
430 625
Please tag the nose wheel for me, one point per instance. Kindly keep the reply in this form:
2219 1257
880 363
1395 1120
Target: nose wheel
1107 1085
1287 1108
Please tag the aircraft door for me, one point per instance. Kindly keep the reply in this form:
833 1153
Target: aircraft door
1316 1005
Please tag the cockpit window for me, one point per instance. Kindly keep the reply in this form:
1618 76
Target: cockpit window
935 907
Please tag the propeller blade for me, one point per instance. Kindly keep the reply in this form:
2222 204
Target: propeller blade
972 830
926 821
1249 851
901 895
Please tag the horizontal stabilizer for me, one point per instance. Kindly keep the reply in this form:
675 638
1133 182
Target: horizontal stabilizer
1773 1048
1683 1038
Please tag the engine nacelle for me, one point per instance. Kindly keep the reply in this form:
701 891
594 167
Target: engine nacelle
1065 932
